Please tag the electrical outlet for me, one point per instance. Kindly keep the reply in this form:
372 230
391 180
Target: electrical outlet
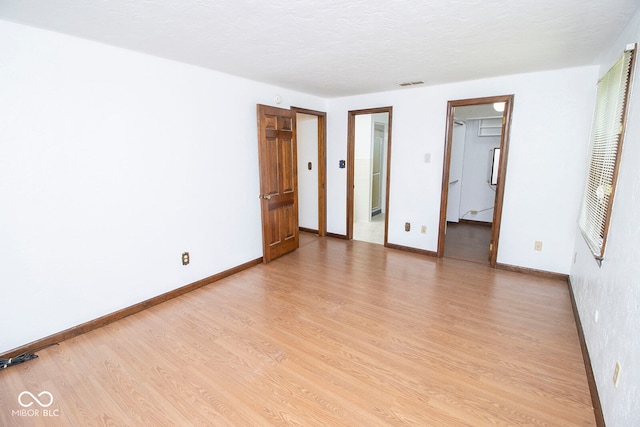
185 258
423 229
407 226
473 212
616 374
537 246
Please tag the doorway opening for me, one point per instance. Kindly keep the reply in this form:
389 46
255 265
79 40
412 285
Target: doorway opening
311 130
474 173
369 149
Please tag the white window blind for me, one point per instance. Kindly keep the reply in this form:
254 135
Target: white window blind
605 150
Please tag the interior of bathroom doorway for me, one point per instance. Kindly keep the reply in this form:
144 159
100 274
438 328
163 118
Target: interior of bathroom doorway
370 130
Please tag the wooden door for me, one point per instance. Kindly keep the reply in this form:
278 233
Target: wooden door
278 181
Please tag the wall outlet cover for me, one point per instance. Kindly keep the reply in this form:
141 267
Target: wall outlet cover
616 374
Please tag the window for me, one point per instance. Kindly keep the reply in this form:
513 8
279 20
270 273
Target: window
605 150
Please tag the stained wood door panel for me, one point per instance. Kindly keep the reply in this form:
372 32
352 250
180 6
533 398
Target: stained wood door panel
284 224
278 181
271 172
287 168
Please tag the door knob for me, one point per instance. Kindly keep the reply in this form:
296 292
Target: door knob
265 196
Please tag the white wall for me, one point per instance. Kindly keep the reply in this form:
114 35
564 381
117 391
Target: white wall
307 140
477 194
112 164
608 298
551 121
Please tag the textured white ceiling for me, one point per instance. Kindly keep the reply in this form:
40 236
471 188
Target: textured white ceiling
335 47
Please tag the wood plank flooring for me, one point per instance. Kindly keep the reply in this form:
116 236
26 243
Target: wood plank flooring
337 333
466 241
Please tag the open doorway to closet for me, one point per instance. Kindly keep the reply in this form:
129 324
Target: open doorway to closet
476 151
311 129
369 143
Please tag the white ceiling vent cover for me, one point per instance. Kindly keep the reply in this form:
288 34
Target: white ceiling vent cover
416 83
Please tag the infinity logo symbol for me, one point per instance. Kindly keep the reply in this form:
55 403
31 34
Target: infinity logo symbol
44 405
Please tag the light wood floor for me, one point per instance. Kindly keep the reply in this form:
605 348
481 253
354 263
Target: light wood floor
336 333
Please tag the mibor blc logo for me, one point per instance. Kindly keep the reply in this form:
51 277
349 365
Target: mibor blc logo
35 405
45 404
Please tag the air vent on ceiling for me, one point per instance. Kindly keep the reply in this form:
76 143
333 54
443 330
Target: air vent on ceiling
405 84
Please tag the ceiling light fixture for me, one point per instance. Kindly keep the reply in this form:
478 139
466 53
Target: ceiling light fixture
498 106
